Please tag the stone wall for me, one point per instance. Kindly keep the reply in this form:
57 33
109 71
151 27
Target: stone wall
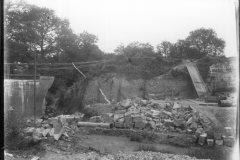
19 94
119 88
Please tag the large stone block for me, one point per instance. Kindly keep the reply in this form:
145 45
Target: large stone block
118 124
128 125
138 118
202 139
217 136
140 125
128 120
228 131
210 142
168 122
229 141
193 126
219 142
199 131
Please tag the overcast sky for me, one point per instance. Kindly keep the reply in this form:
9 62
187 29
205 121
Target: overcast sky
152 21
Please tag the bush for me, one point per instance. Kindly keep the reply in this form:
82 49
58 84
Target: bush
14 133
89 112
136 137
146 147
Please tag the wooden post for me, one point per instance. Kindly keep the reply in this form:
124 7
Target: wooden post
34 105
119 91
98 92
144 89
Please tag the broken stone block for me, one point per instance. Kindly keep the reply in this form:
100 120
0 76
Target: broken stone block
178 129
202 139
138 118
118 124
190 121
229 141
193 126
144 102
217 136
148 119
117 116
176 106
128 125
53 120
210 142
119 112
128 120
179 122
199 131
219 142
228 131
151 124
167 113
168 122
139 124
121 120
209 131
37 133
126 103
194 139
29 131
45 132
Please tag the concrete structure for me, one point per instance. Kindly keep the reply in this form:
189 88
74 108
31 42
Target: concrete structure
19 94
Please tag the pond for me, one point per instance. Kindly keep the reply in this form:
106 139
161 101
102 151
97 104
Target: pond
123 144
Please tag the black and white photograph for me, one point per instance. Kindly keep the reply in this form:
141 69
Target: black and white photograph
121 79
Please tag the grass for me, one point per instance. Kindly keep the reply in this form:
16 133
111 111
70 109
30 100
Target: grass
136 137
213 154
151 148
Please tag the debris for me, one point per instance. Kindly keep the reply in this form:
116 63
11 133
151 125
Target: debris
168 122
29 131
104 96
228 131
202 138
35 158
199 131
229 141
8 154
217 136
210 142
78 70
219 142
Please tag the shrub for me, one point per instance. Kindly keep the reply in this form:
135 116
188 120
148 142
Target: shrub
136 137
89 112
13 130
146 147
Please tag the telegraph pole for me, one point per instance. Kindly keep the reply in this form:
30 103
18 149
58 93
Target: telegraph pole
34 105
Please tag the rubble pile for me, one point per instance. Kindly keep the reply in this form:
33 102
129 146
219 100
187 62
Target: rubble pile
164 116
56 127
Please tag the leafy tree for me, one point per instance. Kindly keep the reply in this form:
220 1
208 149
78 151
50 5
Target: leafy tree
164 48
206 42
135 49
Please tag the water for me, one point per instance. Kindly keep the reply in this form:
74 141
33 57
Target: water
123 144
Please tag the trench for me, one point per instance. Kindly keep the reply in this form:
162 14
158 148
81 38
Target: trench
114 144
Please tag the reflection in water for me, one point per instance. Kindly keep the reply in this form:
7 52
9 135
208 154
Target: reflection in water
123 144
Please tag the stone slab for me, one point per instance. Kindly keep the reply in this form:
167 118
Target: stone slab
118 124
229 141
219 142
140 125
217 136
210 142
168 122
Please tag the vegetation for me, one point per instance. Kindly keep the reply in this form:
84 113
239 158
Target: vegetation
136 137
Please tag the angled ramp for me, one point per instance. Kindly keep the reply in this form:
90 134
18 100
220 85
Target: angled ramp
197 80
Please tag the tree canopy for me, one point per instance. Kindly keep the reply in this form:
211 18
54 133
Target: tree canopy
32 29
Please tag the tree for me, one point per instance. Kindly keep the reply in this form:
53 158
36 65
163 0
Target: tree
206 42
34 29
164 48
86 43
135 49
